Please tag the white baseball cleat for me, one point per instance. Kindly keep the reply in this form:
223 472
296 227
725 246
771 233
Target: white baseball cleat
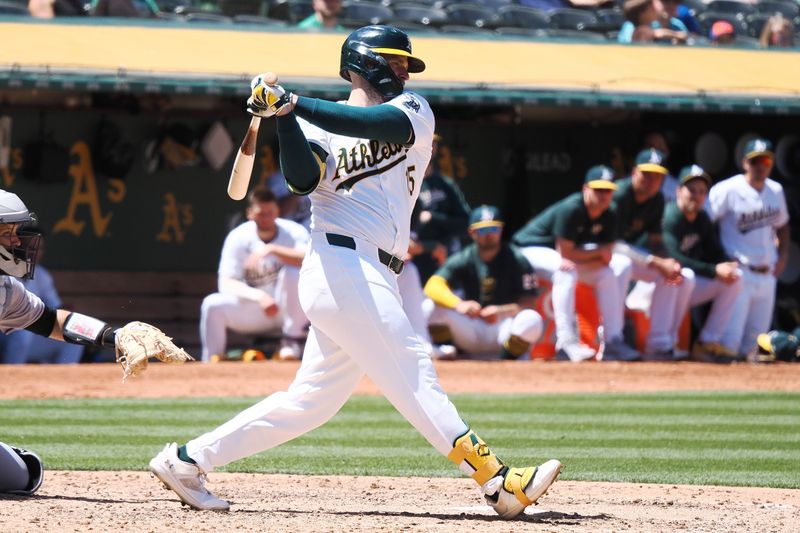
577 352
510 494
186 480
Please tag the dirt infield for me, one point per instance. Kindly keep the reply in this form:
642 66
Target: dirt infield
133 501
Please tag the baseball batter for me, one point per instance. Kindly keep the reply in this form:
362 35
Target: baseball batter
258 276
573 240
493 310
751 212
361 161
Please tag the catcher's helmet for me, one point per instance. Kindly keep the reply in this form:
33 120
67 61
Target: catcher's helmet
361 53
18 260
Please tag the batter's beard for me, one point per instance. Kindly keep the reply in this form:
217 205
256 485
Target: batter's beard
488 247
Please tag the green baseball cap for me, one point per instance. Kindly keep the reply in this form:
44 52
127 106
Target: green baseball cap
485 216
651 160
758 147
783 345
692 172
600 177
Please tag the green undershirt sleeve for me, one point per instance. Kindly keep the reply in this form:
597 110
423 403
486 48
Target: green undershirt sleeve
381 123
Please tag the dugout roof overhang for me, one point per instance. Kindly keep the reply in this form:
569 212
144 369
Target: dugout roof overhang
169 57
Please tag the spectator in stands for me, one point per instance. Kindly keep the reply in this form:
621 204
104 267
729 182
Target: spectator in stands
639 254
325 16
493 310
439 220
722 33
778 32
658 141
685 15
258 276
573 240
24 346
691 238
651 13
643 34
47 9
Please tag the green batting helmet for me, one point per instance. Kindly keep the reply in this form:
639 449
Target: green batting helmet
361 53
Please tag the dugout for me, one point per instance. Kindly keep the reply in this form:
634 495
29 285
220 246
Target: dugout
120 134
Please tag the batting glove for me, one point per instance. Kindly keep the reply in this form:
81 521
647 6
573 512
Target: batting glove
266 100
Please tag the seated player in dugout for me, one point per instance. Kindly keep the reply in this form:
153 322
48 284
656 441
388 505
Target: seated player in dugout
639 255
691 238
573 240
259 269
484 295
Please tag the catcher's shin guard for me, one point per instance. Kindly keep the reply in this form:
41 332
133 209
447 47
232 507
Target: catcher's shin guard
474 458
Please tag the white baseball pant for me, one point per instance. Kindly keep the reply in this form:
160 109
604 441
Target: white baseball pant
476 336
723 295
358 327
413 297
752 313
547 262
222 312
668 303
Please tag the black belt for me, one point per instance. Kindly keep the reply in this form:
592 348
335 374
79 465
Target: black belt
394 263
759 269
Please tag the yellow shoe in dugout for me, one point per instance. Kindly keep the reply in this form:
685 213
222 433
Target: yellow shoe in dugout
508 490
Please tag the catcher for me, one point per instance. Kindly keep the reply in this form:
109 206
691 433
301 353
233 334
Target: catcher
134 343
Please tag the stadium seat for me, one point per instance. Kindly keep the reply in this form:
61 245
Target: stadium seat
240 7
496 4
755 23
260 21
575 35
609 19
524 17
207 18
13 8
420 14
789 10
413 27
707 19
731 7
571 19
357 14
745 41
458 28
530 33
472 15
291 11
695 6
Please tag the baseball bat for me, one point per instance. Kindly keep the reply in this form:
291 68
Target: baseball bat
243 164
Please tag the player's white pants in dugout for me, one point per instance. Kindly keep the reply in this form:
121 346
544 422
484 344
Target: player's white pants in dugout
358 327
546 262
476 336
752 313
222 312
667 305
723 297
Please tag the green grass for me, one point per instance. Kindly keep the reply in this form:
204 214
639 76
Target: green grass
750 439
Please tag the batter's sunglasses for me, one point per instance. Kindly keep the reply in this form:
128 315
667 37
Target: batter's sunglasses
487 230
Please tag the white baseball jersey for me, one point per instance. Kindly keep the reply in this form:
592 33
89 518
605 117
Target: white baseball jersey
748 218
379 182
243 240
19 308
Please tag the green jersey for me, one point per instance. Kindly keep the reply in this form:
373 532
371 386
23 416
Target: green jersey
567 219
695 244
312 23
635 221
503 280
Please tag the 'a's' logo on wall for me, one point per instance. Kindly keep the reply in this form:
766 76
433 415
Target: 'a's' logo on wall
177 219
85 193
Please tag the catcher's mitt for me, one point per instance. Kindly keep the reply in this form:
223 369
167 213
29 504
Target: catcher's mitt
136 342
